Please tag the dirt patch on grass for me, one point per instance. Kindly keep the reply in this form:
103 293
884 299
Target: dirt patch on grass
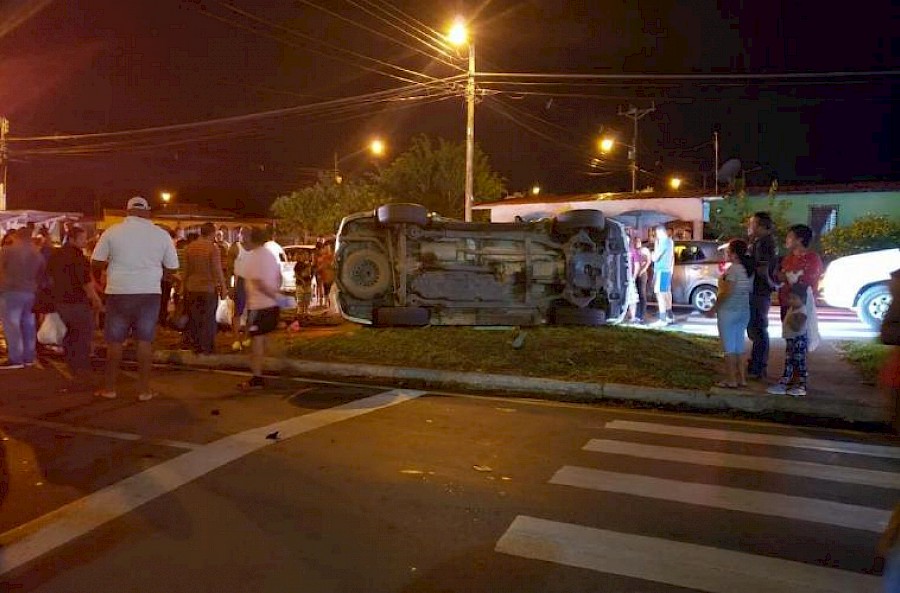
606 354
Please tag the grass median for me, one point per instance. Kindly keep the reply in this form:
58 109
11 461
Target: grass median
867 357
601 355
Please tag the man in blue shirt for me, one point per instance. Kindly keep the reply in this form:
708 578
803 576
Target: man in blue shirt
663 266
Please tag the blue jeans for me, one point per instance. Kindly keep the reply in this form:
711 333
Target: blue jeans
891 578
758 332
18 326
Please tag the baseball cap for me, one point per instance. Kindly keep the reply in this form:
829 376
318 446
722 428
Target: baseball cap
137 203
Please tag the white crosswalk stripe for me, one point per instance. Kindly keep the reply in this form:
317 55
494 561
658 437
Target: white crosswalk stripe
820 471
734 436
705 568
734 499
702 568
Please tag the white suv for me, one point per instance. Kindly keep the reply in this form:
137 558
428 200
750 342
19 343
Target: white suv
860 282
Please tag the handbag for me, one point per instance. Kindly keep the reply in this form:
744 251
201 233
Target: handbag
52 330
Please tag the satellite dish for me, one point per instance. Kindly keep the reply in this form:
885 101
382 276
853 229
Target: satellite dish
729 170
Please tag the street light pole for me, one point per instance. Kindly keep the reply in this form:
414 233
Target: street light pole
470 134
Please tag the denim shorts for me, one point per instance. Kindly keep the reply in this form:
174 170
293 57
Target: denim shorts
136 312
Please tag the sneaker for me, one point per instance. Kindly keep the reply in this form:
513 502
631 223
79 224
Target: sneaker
236 346
777 389
11 365
145 397
105 393
797 391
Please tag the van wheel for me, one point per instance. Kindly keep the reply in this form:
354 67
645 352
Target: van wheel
569 223
401 317
402 214
873 305
704 297
366 274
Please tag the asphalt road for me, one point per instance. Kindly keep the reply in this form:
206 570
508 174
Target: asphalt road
384 489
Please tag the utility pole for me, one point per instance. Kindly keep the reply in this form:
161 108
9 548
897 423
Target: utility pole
635 115
716 167
470 134
4 159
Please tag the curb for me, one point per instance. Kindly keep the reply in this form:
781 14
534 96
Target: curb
715 399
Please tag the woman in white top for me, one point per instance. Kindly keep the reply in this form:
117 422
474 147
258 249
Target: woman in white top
732 310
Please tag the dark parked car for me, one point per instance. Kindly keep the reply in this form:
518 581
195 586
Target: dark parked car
401 265
698 265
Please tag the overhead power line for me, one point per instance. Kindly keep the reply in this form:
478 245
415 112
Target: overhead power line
398 24
691 76
375 32
440 86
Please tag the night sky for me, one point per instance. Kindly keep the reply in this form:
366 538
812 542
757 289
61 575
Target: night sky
77 67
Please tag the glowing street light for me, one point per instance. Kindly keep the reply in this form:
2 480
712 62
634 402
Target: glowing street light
535 190
675 183
166 197
459 36
377 147
606 144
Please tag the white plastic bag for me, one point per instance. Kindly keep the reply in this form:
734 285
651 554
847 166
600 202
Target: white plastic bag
225 311
52 330
812 321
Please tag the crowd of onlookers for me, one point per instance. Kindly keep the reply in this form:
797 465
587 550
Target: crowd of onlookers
137 276
753 272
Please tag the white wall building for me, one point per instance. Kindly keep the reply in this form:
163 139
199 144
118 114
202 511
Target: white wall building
685 212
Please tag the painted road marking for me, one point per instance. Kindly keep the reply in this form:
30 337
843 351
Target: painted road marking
685 565
757 438
721 497
32 540
834 473
98 432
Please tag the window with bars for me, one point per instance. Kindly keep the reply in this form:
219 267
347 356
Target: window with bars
822 218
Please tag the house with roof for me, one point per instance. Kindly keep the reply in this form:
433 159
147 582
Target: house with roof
822 207
682 211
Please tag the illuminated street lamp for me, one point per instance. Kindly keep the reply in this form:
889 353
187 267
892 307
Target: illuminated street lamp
675 183
535 190
606 144
377 148
166 197
459 36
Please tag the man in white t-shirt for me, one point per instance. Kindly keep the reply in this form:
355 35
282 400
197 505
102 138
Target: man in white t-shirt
136 254
262 276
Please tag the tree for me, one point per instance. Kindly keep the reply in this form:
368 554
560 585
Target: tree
318 209
729 217
867 233
432 173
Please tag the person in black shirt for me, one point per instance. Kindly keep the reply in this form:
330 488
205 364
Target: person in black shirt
762 250
73 293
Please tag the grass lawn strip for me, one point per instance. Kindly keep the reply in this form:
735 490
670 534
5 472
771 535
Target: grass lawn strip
867 357
600 355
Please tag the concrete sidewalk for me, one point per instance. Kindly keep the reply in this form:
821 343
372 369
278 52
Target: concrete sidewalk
837 392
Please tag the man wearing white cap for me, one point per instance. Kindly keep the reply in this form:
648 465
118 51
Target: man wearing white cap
137 253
